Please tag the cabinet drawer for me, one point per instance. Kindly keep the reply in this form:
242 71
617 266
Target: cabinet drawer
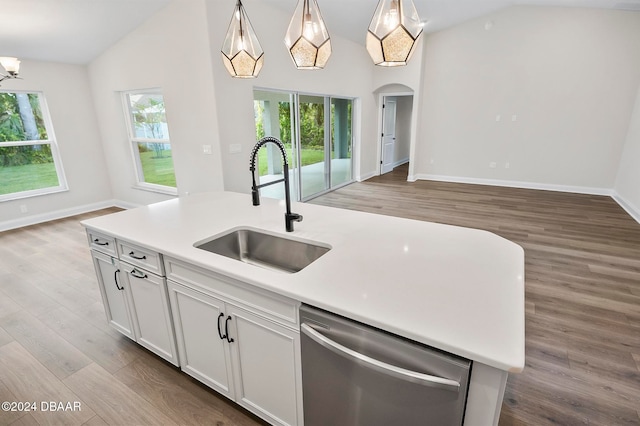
142 257
262 302
102 242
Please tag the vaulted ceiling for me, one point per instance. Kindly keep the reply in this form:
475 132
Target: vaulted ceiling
76 31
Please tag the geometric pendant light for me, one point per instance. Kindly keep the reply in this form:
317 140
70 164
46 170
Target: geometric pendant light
393 32
307 38
241 51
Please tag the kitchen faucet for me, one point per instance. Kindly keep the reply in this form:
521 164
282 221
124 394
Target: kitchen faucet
289 217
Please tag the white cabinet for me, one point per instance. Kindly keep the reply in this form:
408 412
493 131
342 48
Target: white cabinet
248 354
266 366
240 340
141 257
102 243
135 298
199 321
150 312
114 297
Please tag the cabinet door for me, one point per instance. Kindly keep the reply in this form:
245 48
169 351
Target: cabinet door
114 298
199 321
266 357
150 311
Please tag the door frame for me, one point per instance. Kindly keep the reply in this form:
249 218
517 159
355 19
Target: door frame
387 101
379 143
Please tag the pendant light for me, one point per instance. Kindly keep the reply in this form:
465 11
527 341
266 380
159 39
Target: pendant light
307 38
241 51
393 32
11 65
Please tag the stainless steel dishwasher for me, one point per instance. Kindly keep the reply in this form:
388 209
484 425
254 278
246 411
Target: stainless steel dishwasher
353 374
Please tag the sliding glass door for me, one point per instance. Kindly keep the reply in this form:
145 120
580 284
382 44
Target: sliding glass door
317 133
275 116
313 173
341 136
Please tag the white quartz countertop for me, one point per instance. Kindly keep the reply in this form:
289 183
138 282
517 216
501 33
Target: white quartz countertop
457 289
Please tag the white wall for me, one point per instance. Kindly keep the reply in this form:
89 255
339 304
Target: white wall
406 80
628 181
404 112
169 51
569 75
68 95
347 74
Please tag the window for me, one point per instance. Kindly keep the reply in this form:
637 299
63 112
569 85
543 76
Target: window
29 161
149 136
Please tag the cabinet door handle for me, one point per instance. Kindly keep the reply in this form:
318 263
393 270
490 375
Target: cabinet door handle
97 241
220 330
226 329
138 274
115 278
132 254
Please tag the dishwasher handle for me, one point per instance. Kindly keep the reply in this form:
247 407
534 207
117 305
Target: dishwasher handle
380 366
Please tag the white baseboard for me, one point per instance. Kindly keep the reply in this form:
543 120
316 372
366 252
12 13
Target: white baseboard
125 205
366 176
633 211
400 162
369 175
514 184
59 214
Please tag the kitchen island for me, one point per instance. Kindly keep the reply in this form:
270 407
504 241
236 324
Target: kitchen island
456 289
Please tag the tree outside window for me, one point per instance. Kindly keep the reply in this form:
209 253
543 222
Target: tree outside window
29 160
151 146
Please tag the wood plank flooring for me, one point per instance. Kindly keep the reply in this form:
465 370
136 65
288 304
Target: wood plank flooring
55 344
582 313
582 284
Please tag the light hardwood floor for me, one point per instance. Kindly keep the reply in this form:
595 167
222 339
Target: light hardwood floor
582 290
55 344
582 313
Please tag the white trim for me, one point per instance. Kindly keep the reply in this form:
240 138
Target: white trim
633 211
160 189
364 177
59 214
53 146
513 184
124 204
400 162
141 182
12 196
381 96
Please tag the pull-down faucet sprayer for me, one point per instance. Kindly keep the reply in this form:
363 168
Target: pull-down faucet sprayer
289 217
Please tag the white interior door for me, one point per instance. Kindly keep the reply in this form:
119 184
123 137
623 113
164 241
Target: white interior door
388 134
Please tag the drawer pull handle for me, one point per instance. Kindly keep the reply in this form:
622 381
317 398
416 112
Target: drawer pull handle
222 337
115 278
138 274
132 254
97 241
226 329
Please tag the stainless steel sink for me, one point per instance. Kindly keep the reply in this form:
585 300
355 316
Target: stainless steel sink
265 250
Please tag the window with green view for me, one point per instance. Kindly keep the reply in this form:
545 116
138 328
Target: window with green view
149 136
29 160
